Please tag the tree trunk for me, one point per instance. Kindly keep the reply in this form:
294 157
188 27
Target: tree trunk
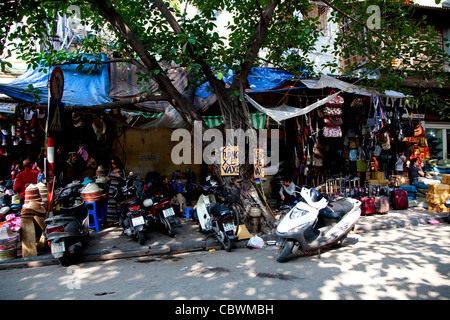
239 189
234 109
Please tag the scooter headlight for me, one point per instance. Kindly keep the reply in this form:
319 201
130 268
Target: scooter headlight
297 213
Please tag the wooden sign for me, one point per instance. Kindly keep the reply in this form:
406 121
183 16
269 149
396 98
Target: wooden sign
259 171
229 161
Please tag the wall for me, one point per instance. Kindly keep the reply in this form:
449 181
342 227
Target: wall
149 150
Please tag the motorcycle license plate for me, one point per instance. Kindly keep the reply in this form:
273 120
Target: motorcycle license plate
138 221
57 247
228 226
168 212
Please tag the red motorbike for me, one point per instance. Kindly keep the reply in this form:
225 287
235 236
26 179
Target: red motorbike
159 213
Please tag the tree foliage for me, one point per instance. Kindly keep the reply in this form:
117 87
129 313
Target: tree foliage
153 30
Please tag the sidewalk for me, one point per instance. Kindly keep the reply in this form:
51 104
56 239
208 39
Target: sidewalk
109 243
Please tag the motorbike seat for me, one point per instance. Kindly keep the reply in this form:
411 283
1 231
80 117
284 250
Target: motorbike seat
217 210
336 209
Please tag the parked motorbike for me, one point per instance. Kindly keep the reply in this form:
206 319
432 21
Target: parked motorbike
217 219
68 229
159 213
314 223
131 214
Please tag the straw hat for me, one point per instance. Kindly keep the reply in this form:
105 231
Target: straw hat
33 208
101 171
100 179
99 126
32 193
6 234
92 192
90 188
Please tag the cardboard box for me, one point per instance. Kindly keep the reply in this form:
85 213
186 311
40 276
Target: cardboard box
438 207
446 178
436 198
384 182
374 182
378 175
438 188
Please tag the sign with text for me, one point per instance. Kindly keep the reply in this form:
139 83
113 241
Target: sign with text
259 170
229 161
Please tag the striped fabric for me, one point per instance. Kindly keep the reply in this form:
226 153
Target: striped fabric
213 121
258 120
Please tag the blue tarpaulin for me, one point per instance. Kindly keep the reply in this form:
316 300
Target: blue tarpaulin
80 87
259 79
102 85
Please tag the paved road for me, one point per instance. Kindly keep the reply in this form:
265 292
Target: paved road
410 263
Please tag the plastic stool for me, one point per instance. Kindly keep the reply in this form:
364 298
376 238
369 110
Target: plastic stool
187 212
96 209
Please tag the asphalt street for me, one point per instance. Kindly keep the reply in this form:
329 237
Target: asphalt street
397 264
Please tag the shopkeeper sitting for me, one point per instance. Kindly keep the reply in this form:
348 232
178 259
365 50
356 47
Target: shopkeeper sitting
415 170
287 193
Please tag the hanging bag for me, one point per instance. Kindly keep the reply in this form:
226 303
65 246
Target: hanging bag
372 123
332 132
333 121
418 129
332 111
337 101
408 128
361 163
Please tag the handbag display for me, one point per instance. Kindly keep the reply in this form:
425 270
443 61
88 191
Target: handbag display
372 122
332 111
333 121
337 101
418 130
332 132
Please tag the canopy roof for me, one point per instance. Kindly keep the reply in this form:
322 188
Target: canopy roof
95 85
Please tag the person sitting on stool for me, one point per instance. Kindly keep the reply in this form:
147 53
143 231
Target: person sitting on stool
287 193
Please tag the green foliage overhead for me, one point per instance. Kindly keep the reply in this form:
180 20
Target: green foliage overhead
395 43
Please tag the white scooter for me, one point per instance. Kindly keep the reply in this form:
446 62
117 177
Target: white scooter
314 223
218 220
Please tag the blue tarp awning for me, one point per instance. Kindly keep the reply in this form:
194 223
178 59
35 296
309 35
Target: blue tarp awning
107 83
81 88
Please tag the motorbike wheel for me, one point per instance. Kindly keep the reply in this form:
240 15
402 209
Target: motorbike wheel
168 227
65 260
141 237
284 250
228 244
225 242
235 210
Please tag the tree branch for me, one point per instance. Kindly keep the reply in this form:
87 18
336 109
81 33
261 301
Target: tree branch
217 85
255 44
184 107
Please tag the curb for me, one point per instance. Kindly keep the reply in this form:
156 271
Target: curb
393 224
102 255
190 246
